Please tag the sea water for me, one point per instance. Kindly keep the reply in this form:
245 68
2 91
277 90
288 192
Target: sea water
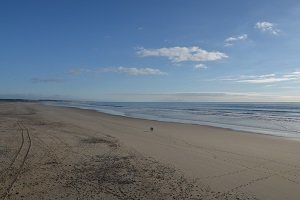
280 119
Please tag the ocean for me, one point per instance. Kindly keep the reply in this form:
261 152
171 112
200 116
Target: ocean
280 119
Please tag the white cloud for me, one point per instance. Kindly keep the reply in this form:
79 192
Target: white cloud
266 78
267 27
200 66
181 54
123 70
77 71
231 40
263 80
139 71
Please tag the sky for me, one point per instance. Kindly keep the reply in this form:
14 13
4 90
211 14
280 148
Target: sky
138 50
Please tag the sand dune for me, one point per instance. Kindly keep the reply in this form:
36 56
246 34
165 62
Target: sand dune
51 152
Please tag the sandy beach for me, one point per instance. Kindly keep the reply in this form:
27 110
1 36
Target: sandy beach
49 152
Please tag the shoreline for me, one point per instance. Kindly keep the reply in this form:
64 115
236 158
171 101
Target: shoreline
187 123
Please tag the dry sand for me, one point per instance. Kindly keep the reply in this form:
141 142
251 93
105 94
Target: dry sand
51 152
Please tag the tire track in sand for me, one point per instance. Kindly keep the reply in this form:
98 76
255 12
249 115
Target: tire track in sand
3 172
26 145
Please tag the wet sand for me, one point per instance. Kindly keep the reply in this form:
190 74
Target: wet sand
49 152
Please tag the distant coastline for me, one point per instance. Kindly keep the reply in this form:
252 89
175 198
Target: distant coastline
277 119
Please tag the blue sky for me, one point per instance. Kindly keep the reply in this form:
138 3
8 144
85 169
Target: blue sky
137 50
